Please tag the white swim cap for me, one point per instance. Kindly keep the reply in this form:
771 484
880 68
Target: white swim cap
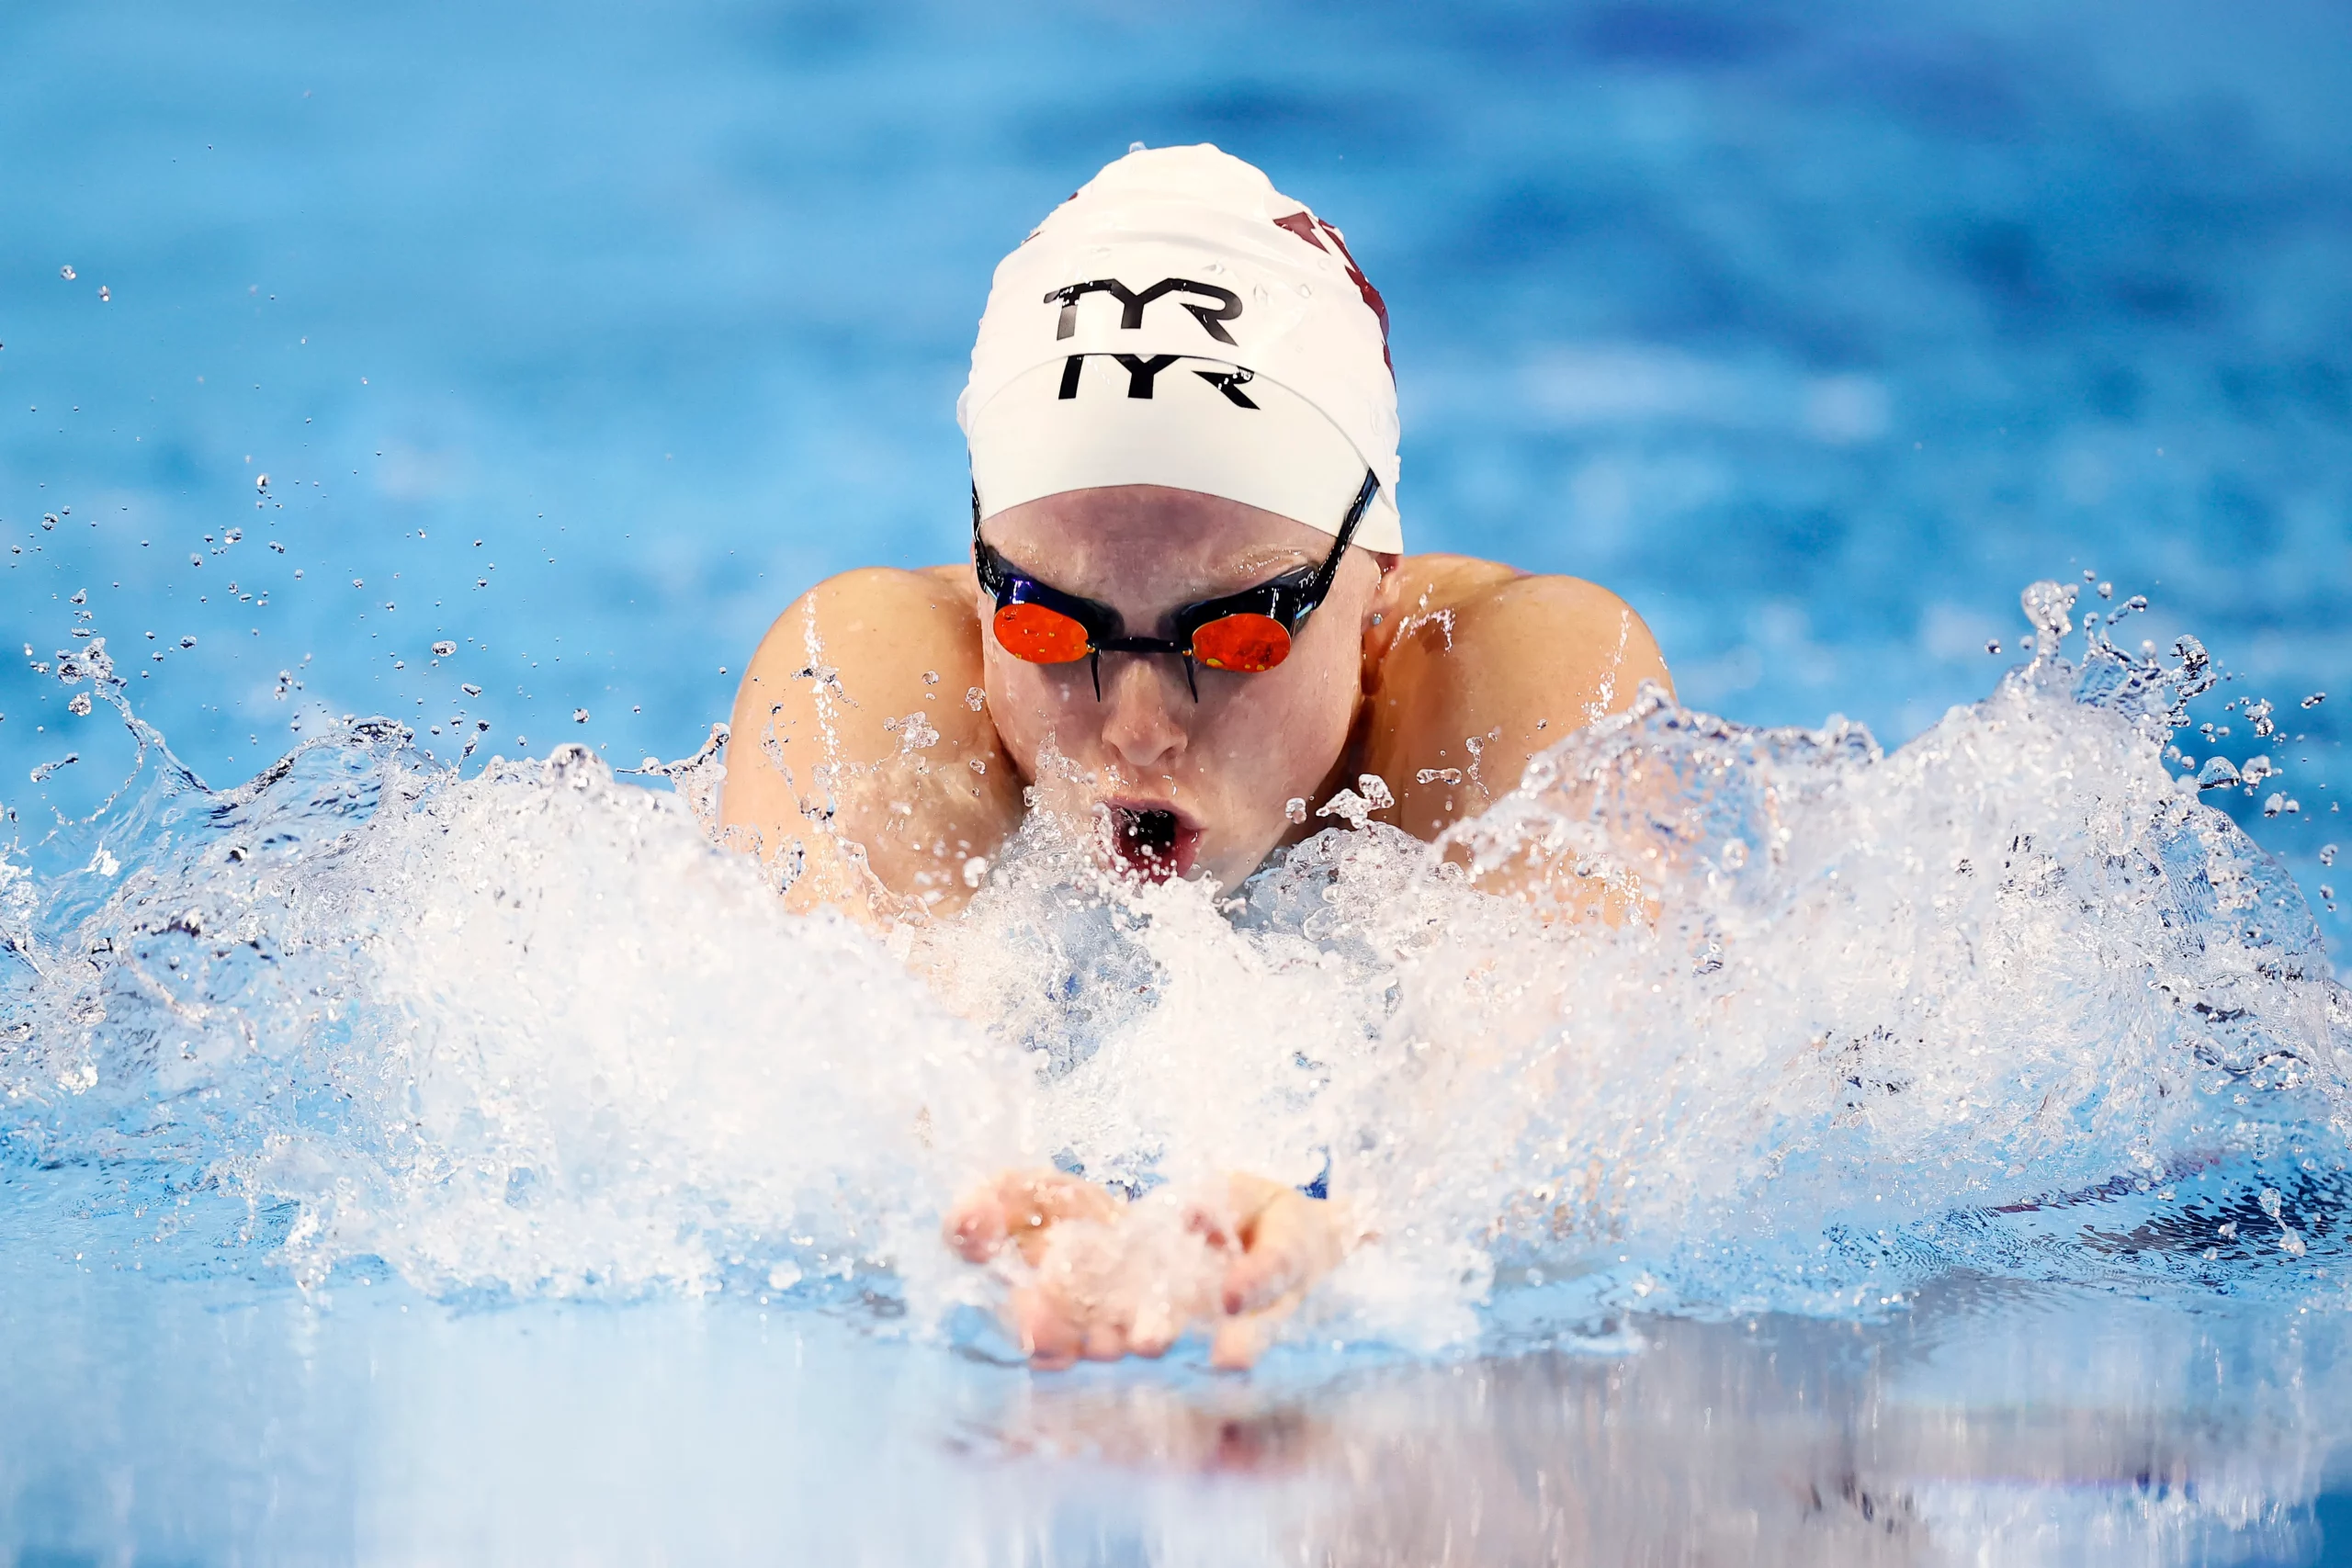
1180 322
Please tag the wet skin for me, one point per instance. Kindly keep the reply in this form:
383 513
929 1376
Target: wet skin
884 741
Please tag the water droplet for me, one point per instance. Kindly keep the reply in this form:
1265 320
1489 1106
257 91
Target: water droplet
1438 775
81 596
2257 769
471 690
2046 606
2314 699
261 482
2327 854
106 295
2275 805
579 715
66 273
974 697
444 650
976 871
359 583
931 677
1294 808
187 642
80 706
2217 772
1992 644
2269 1199
1348 805
49 520
1375 790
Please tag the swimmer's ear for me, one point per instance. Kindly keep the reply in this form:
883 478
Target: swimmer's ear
1381 617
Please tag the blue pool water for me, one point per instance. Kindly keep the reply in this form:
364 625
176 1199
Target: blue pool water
409 1156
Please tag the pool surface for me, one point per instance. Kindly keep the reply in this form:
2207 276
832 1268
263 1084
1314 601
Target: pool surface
418 1144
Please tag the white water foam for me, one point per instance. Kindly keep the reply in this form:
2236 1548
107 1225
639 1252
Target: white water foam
2010 1000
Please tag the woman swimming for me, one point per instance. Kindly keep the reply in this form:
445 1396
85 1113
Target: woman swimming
1186 616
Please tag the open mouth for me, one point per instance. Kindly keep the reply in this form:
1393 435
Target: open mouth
1151 842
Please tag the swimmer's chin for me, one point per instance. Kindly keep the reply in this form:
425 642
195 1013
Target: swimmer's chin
1151 840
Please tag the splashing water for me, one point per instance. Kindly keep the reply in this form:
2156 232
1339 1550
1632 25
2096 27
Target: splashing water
2011 1000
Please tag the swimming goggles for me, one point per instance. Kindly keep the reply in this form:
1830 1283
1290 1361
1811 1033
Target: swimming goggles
1248 632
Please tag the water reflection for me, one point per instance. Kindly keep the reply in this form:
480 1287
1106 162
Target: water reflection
1995 1426
217 1422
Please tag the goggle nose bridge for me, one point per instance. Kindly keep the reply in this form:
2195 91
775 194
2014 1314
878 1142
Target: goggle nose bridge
1140 646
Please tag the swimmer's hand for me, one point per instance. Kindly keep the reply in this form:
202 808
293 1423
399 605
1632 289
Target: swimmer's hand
1106 1278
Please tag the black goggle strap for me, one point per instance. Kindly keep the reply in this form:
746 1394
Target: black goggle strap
984 562
1292 596
1331 567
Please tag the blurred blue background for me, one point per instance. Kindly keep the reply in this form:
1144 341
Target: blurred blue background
1817 331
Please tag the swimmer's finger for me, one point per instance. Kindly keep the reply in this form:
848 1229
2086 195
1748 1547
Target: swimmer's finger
974 1229
1292 1242
1104 1342
1159 1317
1055 1195
1024 1206
1049 1338
1239 1341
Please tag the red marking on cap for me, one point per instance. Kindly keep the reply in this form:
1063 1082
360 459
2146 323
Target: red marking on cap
1305 225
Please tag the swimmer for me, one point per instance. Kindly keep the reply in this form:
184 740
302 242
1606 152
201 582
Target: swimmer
1187 610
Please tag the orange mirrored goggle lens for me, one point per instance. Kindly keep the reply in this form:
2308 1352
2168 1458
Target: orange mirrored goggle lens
1040 636
1250 644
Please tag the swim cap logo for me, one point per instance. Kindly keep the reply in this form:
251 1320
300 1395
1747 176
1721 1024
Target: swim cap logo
1142 372
1131 304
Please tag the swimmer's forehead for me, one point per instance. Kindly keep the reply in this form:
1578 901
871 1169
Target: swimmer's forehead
1120 549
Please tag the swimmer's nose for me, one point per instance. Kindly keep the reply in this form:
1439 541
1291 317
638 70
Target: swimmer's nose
1140 712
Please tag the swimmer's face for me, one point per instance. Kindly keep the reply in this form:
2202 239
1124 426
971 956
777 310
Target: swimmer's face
1224 766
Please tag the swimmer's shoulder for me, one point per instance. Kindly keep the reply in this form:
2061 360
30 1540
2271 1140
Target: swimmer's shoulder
857 720
1484 666
874 621
856 653
1550 623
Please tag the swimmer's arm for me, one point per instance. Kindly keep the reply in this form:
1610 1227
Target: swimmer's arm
1487 667
828 765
